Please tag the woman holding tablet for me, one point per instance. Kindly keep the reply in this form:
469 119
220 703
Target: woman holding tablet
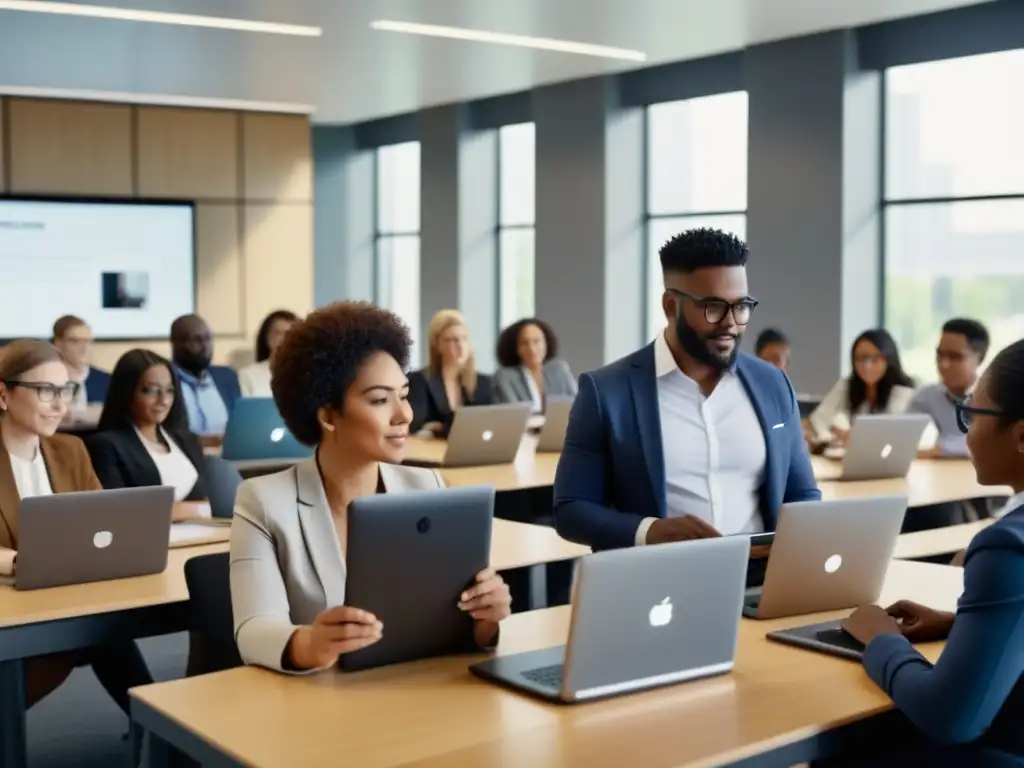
339 383
973 697
35 393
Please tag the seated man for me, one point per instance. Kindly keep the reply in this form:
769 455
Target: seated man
73 338
688 437
209 391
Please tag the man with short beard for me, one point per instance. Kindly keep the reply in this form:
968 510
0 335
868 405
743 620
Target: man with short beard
688 438
209 391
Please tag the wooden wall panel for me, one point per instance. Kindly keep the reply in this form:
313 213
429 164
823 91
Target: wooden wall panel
278 260
219 267
68 147
3 149
278 157
188 153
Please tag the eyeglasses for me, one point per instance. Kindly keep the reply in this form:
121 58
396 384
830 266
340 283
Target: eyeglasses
716 310
47 392
965 412
157 393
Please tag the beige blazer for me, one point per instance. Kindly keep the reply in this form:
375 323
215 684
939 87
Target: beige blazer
834 411
286 562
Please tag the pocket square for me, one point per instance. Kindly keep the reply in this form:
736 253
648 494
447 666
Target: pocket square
779 426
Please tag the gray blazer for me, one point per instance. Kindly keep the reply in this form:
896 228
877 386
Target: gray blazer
511 384
286 562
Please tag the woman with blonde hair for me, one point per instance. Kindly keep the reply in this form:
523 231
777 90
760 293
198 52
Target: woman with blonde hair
450 379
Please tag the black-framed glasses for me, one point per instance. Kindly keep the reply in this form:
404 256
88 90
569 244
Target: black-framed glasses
157 393
47 392
965 412
715 309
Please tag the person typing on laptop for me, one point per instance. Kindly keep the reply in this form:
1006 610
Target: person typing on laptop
687 438
35 393
973 697
339 383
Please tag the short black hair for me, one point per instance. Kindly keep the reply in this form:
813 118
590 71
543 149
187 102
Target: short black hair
507 348
262 348
767 337
320 358
1006 382
124 380
702 247
975 333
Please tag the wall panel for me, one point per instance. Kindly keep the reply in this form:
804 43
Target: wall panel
3 147
188 153
278 260
278 157
219 267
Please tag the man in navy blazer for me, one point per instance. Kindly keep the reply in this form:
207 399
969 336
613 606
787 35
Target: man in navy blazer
209 391
688 437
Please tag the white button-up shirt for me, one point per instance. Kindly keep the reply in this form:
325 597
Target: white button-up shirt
713 447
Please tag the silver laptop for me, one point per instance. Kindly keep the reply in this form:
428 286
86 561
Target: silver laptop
883 446
828 555
486 434
74 538
556 421
641 617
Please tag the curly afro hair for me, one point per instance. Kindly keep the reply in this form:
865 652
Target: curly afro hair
507 348
320 357
701 248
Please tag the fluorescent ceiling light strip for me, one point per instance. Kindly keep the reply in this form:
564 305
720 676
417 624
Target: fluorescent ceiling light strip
158 17
157 99
499 38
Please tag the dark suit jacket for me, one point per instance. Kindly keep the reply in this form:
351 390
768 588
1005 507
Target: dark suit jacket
611 473
226 381
96 385
122 461
430 403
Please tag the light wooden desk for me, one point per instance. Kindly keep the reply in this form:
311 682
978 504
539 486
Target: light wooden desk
435 713
939 541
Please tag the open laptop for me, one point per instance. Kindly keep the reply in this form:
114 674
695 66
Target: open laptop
883 446
828 555
74 538
556 421
256 431
482 435
410 556
641 617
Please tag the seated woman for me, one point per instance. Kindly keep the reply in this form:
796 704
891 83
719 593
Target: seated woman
35 393
530 369
142 437
339 385
450 379
876 385
254 380
973 697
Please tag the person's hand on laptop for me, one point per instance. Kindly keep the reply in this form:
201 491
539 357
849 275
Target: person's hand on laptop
489 602
868 622
839 435
336 631
685 528
920 624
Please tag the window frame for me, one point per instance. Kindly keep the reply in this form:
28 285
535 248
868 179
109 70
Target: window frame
500 228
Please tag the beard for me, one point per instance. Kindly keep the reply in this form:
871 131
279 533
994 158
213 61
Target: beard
700 346
192 362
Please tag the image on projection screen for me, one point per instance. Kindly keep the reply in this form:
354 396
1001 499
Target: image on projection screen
127 269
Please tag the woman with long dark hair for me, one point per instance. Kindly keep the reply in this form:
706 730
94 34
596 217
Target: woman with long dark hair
254 380
876 384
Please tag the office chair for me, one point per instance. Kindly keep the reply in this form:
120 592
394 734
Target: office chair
211 623
222 481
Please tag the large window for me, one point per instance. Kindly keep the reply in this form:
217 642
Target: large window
696 177
398 235
516 171
954 201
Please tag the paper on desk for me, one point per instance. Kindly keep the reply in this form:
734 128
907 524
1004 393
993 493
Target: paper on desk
183 534
7 561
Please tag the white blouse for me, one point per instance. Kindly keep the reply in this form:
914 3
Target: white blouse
834 410
254 380
175 468
31 477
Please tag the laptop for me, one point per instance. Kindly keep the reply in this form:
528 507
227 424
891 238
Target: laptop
482 435
825 637
256 431
641 617
828 555
86 536
556 421
883 446
410 556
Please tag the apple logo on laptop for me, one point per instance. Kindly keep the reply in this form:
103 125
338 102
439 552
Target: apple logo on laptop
487 435
102 539
886 451
833 563
661 614
277 434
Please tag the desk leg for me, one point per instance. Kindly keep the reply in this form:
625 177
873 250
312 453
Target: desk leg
12 714
538 581
158 751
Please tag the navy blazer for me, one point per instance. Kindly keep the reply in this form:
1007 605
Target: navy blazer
429 400
974 694
611 473
226 381
96 385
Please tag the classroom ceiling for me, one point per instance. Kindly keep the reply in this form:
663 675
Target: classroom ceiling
353 73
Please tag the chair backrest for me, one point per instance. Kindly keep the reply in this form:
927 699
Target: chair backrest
212 636
222 481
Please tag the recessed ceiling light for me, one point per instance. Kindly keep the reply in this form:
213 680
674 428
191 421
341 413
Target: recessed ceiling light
499 38
159 17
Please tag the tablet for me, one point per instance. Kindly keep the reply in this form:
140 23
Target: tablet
410 556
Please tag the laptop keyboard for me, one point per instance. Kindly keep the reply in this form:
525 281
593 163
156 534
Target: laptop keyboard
547 677
840 638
